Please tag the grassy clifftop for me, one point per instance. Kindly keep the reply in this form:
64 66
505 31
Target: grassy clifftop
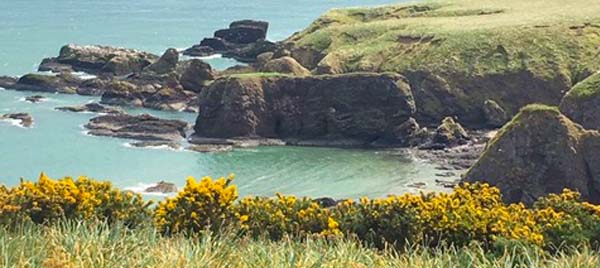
460 53
546 35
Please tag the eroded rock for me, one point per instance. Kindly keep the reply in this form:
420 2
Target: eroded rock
25 119
92 108
139 127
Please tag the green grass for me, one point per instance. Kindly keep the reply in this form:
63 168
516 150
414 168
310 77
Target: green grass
468 36
83 245
587 88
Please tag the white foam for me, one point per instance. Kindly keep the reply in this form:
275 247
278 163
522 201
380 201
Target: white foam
83 75
157 147
13 122
211 57
141 187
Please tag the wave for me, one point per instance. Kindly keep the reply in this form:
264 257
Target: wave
156 147
211 57
83 75
13 122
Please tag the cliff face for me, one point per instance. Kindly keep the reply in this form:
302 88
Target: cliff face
359 107
541 151
459 54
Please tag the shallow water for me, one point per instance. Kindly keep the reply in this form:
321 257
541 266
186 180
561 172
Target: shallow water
57 144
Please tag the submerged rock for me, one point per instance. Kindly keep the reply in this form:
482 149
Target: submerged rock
145 144
162 187
139 127
541 151
35 99
361 107
25 120
92 108
7 81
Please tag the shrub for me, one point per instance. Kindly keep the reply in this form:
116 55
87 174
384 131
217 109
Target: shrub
284 216
83 199
199 206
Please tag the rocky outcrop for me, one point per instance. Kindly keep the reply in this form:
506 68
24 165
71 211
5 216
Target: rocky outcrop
356 108
582 103
139 127
450 133
98 60
162 187
166 63
285 65
195 75
494 114
7 81
244 40
540 151
91 108
61 83
25 120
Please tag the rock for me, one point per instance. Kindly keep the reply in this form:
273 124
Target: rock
362 107
540 151
7 82
210 148
248 53
162 187
582 103
450 133
326 202
196 75
215 43
263 58
167 62
238 69
62 83
494 115
410 133
100 59
200 51
244 32
140 127
25 120
92 108
168 144
35 99
285 65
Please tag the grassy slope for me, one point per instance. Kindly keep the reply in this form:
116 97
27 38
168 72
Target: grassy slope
80 245
472 36
586 89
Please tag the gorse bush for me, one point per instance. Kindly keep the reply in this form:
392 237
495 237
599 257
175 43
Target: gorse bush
48 200
472 213
199 206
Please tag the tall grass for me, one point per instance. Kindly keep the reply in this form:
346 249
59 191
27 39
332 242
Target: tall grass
76 244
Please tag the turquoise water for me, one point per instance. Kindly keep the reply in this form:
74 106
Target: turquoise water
57 144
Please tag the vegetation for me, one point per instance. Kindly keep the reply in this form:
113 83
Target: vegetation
85 223
586 89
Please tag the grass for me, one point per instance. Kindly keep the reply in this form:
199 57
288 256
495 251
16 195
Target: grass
70 244
586 89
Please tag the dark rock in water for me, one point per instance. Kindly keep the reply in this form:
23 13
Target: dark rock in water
94 87
582 103
418 185
494 114
144 144
162 187
167 62
62 83
7 81
326 202
285 65
541 151
196 75
243 40
25 120
450 133
140 127
244 32
35 99
52 65
92 108
363 107
99 60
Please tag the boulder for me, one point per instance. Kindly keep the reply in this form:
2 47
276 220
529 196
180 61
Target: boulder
196 75
62 83
200 51
360 107
582 103
285 65
540 151
139 127
100 60
167 62
494 114
450 133
25 120
162 187
91 108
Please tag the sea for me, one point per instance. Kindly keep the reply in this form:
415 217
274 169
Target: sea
58 145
